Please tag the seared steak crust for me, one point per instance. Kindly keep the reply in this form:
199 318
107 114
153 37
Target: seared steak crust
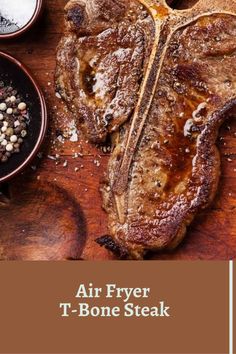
162 175
100 62
176 81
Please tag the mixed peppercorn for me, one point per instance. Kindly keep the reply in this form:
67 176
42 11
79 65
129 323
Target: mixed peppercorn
14 118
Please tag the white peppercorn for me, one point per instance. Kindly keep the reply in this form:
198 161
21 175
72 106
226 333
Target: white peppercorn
13 99
22 106
9 110
4 142
9 147
13 139
3 106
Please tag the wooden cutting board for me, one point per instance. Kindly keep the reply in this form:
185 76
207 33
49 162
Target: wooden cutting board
53 211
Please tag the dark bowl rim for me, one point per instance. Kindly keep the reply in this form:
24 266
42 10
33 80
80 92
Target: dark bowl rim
28 24
44 122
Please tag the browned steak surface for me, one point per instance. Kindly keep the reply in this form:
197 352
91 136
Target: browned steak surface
161 175
165 167
100 62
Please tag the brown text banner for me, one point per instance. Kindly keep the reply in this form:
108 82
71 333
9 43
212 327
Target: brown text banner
40 313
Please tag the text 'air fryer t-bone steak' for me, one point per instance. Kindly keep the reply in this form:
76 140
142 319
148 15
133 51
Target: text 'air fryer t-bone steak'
165 167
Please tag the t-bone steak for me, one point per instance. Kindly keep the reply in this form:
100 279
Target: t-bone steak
167 80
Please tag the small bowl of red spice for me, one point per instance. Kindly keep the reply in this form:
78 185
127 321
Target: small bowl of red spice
23 117
16 18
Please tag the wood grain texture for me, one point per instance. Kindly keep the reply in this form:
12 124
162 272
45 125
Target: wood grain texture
55 212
